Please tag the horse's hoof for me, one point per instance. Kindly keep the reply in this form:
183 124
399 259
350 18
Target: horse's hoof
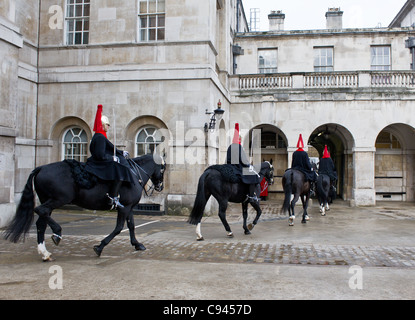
97 250
230 234
323 213
56 239
247 231
48 259
306 218
139 247
291 221
250 226
303 221
200 239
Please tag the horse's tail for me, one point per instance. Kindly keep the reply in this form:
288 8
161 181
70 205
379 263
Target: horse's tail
200 201
23 219
287 190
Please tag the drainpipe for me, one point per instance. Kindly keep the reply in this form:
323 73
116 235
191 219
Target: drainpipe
410 43
37 85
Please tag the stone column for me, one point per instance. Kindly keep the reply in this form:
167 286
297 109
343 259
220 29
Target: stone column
364 177
11 41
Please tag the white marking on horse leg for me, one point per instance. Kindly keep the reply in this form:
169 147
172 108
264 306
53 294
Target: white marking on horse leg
291 220
198 232
41 249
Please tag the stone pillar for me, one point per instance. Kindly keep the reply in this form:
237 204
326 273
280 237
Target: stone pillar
11 41
364 177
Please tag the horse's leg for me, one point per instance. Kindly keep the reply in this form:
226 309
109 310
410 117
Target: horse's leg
131 228
57 230
322 209
305 206
291 213
44 211
118 228
245 217
323 204
223 205
257 207
199 233
41 225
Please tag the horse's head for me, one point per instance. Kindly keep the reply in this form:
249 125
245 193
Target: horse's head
267 170
158 174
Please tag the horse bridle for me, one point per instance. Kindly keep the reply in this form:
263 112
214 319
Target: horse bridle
271 169
136 169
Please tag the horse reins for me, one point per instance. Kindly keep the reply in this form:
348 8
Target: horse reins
135 168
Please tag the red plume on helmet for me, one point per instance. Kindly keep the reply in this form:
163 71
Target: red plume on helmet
236 134
300 143
326 153
98 128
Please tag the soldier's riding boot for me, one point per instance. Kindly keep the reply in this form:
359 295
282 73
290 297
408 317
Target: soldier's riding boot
113 197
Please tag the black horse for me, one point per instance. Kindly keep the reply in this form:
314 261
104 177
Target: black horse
294 182
57 185
323 190
212 182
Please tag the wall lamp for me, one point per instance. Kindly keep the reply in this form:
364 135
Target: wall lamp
216 115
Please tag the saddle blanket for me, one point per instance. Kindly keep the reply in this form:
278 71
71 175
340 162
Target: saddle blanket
82 178
228 172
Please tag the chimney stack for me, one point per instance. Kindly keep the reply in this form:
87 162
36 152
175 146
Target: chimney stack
334 18
276 20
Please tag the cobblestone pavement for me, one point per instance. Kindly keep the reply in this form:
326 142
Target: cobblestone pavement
235 252
178 243
307 261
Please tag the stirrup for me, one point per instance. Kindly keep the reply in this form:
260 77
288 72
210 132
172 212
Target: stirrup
115 202
253 199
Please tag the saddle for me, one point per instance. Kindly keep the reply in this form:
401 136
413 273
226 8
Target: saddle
228 173
82 178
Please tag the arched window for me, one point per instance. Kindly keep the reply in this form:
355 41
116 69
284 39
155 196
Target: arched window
148 138
272 140
387 140
75 143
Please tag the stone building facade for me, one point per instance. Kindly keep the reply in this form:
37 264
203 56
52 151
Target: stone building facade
159 65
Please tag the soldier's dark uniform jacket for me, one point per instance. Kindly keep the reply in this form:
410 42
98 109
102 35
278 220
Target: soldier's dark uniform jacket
240 164
301 162
326 166
101 163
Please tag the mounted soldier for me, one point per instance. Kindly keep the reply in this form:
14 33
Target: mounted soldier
236 156
301 162
326 166
106 161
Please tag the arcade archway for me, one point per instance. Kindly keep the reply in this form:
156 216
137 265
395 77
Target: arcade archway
340 144
394 163
271 143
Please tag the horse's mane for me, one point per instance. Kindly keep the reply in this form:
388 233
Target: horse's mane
143 159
